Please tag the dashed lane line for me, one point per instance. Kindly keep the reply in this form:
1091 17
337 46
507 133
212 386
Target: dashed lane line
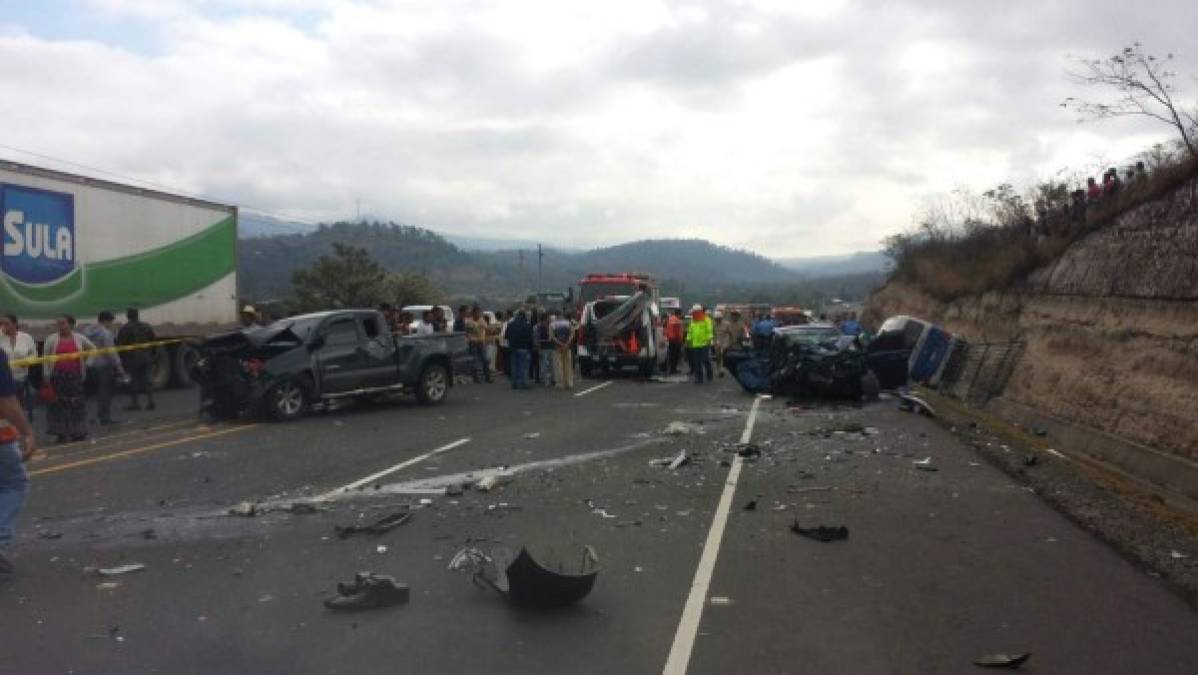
402 465
597 387
692 612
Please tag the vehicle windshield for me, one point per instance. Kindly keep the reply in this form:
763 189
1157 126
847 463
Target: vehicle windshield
301 327
596 291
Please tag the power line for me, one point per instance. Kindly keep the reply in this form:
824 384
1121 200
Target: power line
289 221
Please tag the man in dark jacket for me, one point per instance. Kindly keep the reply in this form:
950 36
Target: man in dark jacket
138 362
521 344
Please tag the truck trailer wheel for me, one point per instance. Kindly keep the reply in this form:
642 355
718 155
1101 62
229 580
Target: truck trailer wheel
160 367
287 400
183 360
433 384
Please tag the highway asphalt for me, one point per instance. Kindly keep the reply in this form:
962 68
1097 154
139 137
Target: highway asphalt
939 568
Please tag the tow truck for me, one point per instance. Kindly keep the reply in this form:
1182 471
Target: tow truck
620 324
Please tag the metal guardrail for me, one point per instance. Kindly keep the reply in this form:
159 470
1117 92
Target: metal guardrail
977 372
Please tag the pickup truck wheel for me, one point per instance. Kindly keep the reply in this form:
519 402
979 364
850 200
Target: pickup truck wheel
433 384
287 401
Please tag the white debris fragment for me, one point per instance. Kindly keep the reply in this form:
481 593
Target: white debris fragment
678 461
925 464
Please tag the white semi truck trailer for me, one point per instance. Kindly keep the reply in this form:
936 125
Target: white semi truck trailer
77 245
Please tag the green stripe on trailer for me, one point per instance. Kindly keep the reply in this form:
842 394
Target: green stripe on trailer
144 280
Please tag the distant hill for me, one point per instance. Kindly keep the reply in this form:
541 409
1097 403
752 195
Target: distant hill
833 265
695 269
251 224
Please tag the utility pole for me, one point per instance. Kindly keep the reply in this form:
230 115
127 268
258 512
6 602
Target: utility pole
358 210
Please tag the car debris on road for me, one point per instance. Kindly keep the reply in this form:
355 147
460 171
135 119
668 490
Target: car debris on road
526 582
113 571
824 533
380 526
368 590
1011 661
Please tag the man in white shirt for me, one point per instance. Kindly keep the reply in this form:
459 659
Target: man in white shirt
18 344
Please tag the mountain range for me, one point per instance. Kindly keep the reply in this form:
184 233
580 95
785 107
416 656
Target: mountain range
270 250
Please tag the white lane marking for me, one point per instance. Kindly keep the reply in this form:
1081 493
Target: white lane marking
597 387
692 613
402 465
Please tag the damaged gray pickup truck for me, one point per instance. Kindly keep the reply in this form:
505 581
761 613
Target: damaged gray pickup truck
284 369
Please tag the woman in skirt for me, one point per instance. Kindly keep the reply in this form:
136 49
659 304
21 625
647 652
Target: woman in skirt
67 412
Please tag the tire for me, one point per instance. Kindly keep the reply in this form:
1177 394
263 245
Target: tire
433 385
183 360
160 367
288 400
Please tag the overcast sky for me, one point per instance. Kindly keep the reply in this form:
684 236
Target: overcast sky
786 127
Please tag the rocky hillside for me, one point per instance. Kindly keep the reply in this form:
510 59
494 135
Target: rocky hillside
1111 328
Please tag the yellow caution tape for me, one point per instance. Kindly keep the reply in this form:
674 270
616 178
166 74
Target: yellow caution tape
73 356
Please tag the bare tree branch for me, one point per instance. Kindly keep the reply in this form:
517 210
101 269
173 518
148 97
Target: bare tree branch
1144 87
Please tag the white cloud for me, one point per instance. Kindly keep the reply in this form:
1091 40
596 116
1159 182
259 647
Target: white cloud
790 128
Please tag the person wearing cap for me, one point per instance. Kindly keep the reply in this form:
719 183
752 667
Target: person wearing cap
249 317
699 336
729 333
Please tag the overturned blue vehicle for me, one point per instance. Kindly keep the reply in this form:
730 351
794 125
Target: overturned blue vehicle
805 360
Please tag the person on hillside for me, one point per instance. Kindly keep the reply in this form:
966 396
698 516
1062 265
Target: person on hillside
1141 174
546 350
1111 185
562 333
17 445
699 337
18 345
476 336
1093 191
67 413
138 362
675 336
518 335
105 369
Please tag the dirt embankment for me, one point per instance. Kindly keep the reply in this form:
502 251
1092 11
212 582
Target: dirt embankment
1111 327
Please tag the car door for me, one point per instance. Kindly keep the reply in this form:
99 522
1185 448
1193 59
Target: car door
340 356
378 353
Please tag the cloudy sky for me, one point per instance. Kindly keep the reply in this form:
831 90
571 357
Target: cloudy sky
788 127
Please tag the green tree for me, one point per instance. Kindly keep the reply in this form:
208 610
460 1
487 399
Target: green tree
347 278
411 288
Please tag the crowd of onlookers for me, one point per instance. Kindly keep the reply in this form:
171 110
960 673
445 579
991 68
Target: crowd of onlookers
1073 213
60 383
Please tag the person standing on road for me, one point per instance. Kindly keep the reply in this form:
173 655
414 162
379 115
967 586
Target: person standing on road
138 362
699 337
562 333
728 336
17 445
476 336
674 339
546 351
459 321
18 345
520 343
850 326
426 326
502 354
105 368
67 412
